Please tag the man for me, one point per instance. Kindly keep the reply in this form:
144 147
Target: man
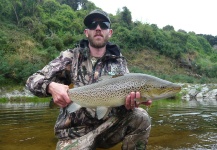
86 64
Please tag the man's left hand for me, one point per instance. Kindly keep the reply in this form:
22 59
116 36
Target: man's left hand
131 103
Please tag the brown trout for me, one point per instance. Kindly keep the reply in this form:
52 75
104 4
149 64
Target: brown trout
112 92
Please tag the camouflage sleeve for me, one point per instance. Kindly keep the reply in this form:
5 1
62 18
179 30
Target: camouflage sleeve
125 64
39 81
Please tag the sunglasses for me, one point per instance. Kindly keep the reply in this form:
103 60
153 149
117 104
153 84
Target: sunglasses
103 25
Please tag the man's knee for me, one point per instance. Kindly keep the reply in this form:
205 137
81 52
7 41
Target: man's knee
139 129
141 118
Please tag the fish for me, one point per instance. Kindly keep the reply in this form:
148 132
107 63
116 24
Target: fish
112 92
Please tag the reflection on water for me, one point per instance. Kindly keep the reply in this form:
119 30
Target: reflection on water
176 124
184 125
25 126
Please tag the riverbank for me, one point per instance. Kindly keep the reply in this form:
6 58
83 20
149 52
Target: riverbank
199 91
19 94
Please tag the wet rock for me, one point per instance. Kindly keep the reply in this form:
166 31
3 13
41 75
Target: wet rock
199 95
16 93
199 91
193 93
211 94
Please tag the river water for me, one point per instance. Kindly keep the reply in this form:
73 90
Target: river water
176 124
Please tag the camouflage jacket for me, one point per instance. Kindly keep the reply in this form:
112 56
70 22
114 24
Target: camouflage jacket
75 66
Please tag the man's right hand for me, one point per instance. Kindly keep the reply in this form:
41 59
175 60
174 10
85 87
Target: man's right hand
59 93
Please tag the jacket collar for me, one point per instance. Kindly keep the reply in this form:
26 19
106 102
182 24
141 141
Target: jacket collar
111 49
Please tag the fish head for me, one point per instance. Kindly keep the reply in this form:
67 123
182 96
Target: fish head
158 89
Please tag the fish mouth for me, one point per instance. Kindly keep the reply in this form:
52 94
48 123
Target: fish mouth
161 93
170 92
174 90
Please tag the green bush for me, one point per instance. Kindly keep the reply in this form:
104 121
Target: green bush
52 52
53 41
213 58
48 27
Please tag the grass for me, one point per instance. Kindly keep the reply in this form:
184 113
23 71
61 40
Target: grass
25 99
152 63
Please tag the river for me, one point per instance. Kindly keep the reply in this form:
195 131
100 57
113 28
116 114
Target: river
176 124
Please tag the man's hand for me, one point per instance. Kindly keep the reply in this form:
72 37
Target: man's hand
131 103
59 94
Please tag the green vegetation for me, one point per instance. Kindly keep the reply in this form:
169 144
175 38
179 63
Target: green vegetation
24 99
34 32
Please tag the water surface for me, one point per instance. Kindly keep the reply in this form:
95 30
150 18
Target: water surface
176 124
27 126
184 125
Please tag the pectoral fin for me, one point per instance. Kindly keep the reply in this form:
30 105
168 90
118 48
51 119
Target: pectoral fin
73 107
102 112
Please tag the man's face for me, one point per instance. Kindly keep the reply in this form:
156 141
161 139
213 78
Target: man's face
98 33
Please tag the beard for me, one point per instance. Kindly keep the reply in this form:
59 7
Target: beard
98 43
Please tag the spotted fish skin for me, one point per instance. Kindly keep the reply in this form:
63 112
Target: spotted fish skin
112 92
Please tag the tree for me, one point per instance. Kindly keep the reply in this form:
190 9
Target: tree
168 28
183 31
143 36
126 16
74 4
50 7
29 7
5 10
16 7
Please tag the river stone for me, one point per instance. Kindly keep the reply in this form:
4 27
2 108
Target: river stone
193 93
211 94
199 95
